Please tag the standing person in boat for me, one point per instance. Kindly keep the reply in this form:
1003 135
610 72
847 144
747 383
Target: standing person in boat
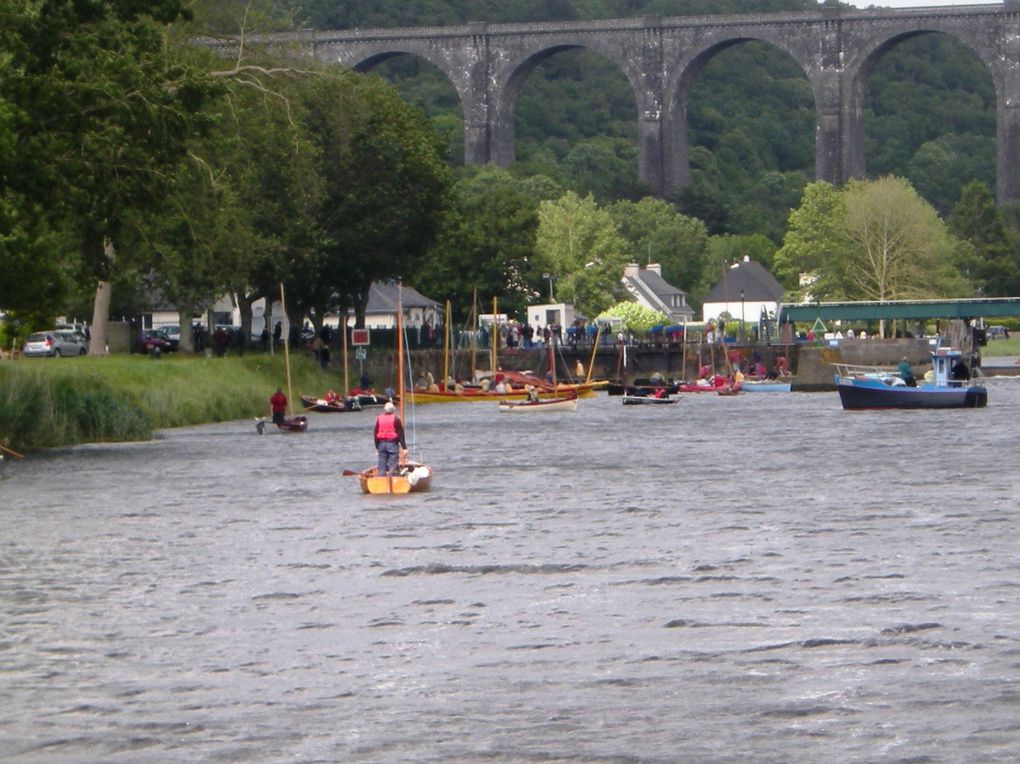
907 373
959 373
278 404
389 440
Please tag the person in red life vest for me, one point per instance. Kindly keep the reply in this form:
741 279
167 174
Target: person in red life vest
389 439
278 403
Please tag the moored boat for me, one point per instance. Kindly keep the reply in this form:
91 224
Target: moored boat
638 400
862 387
766 386
287 424
568 403
329 404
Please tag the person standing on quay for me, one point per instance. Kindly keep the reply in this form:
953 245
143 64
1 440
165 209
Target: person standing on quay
389 440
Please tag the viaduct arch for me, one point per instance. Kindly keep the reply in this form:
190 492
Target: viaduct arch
661 57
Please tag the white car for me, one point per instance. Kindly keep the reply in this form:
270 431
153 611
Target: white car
54 344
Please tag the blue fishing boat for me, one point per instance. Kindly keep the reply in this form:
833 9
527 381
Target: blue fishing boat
862 387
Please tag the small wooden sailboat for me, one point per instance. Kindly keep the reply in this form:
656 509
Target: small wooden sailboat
329 404
534 403
412 476
542 404
289 423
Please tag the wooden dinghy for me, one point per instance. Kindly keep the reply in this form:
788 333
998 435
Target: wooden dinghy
638 400
289 424
542 404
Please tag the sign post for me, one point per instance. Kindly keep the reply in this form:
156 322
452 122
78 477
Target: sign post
361 339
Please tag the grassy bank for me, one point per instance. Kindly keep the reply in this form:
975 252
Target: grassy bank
55 402
1002 347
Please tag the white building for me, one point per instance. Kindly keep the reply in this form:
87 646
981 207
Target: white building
743 293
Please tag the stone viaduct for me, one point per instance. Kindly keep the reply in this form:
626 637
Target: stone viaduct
661 57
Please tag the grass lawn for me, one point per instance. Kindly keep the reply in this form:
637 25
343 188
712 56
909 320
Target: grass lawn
1001 347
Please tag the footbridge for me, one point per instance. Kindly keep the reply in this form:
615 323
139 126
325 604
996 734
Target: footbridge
910 310
661 57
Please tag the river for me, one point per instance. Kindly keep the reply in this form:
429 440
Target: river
758 578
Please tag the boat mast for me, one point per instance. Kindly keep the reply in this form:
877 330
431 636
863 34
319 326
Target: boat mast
343 328
400 349
446 347
474 336
594 349
286 354
494 340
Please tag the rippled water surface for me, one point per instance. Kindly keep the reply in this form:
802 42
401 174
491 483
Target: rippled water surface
762 578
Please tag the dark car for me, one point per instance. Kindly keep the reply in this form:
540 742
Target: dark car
152 340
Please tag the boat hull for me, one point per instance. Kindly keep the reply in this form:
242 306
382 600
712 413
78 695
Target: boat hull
529 407
641 400
872 394
766 387
323 406
476 396
412 477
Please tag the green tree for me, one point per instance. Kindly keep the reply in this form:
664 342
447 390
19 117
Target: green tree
386 186
899 248
636 317
579 244
656 233
109 108
816 244
874 240
994 265
487 245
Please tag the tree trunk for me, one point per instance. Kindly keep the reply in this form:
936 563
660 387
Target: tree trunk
244 308
98 344
100 318
187 334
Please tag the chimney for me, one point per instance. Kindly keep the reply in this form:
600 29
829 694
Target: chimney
630 270
654 268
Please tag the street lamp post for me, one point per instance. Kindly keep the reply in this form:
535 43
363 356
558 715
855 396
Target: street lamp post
742 336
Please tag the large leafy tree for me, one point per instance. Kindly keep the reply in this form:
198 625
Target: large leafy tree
873 240
109 108
487 246
899 247
656 232
816 243
386 184
994 261
580 246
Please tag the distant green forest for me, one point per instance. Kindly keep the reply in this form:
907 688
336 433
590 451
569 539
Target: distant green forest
930 110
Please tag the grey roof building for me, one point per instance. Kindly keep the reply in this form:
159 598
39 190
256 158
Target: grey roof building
651 290
744 291
381 310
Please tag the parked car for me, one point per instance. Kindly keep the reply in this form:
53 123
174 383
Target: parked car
172 333
997 333
155 339
54 344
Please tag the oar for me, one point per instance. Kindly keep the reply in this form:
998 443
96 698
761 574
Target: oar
15 454
350 473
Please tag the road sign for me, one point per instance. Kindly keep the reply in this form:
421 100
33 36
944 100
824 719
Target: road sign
359 337
361 354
